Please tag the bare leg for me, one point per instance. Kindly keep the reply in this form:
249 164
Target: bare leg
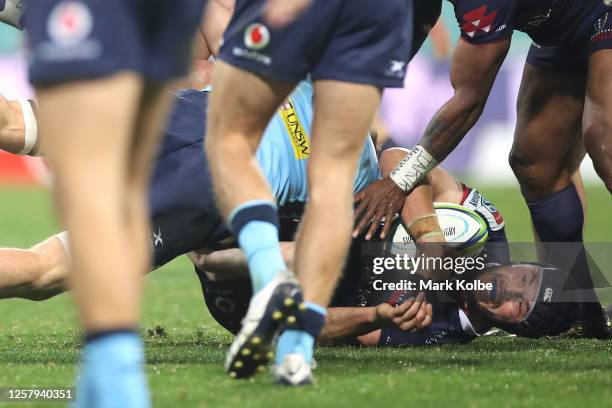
338 138
549 120
237 119
597 125
545 158
89 153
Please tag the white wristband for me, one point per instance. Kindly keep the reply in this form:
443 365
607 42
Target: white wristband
417 163
12 12
63 238
31 128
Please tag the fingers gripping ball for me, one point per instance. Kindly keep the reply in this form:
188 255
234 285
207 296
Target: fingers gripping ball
463 229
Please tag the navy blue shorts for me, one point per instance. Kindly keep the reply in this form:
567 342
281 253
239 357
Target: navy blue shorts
596 35
360 41
183 210
87 39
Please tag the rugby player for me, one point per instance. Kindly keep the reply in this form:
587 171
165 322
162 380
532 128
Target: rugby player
564 106
516 304
350 49
460 316
101 71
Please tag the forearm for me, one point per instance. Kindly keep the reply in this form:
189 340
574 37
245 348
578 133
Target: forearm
451 123
348 322
472 75
12 128
231 263
418 205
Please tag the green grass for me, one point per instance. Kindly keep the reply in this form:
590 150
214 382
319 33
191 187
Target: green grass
38 343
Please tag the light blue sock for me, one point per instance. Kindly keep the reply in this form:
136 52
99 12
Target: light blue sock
294 341
259 241
302 341
112 373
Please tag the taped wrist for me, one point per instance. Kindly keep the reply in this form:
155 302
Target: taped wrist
31 128
417 163
11 12
425 225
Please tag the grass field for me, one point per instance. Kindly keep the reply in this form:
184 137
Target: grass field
185 348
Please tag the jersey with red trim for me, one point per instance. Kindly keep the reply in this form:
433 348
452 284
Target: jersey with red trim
547 22
475 201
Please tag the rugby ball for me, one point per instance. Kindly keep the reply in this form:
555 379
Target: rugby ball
463 228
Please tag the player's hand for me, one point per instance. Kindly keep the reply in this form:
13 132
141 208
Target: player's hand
279 13
412 315
380 200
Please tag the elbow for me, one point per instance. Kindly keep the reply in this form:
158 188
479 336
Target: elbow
472 102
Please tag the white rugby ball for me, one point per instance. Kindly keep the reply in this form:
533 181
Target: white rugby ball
463 228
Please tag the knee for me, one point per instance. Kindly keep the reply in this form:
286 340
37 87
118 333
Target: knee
598 144
525 168
535 173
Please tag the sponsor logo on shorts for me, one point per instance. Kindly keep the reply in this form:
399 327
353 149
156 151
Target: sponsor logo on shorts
70 22
297 133
251 55
478 21
548 294
69 27
256 36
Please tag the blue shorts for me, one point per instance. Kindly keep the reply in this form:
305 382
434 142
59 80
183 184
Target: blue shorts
595 35
183 210
86 39
359 41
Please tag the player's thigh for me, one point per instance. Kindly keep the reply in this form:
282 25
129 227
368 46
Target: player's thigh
597 121
242 104
343 113
549 110
88 127
151 118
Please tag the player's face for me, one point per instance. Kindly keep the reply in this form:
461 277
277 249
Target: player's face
515 288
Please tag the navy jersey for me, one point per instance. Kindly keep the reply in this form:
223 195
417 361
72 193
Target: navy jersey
449 325
547 22
184 214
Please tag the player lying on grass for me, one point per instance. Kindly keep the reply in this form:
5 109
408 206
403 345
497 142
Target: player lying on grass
563 107
183 223
383 318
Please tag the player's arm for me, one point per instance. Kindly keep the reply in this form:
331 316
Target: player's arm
416 207
354 322
231 263
473 73
18 127
11 12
